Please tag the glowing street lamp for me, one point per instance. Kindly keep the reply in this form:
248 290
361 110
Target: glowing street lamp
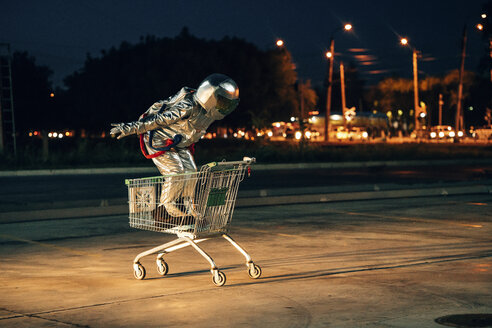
280 43
415 53
479 27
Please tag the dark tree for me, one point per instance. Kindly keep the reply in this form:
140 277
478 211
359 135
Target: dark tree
123 82
31 91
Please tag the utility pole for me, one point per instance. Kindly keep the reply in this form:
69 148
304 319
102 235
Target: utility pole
301 107
490 54
459 115
441 102
328 92
416 90
342 89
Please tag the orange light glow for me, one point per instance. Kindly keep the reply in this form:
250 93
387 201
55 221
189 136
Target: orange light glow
329 54
480 27
347 27
473 225
404 41
280 43
52 95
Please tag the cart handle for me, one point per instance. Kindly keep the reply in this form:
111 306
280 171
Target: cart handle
245 161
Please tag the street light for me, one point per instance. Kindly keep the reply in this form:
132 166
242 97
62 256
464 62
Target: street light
330 54
415 53
484 27
280 44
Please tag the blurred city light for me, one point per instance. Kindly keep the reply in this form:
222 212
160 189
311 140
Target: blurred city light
280 43
329 54
52 95
404 41
479 27
484 16
348 27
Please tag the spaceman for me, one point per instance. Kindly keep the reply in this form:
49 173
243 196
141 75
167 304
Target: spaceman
169 127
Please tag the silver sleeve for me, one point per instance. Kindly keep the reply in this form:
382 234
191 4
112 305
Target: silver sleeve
169 116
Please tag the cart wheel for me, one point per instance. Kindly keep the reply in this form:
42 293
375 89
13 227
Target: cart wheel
138 271
162 267
254 271
221 281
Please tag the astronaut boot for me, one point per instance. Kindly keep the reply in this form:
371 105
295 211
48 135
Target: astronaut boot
174 210
163 219
191 208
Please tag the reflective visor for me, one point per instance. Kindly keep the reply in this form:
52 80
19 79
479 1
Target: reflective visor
225 106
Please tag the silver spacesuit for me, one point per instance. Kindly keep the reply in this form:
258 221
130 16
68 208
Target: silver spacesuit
183 119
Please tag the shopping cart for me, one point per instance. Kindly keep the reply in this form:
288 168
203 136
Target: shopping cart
193 206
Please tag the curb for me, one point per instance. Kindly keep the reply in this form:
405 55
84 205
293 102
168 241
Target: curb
104 209
258 167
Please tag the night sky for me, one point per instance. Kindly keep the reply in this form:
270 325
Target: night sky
59 33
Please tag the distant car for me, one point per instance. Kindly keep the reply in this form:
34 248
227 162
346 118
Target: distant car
351 134
444 132
482 133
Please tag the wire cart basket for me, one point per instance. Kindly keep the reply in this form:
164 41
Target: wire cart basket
193 206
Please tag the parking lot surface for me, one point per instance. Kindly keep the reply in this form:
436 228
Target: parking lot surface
377 263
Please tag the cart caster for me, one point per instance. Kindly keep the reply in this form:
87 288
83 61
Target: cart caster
162 267
254 271
220 280
138 271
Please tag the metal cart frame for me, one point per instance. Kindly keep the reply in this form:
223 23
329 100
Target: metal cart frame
194 206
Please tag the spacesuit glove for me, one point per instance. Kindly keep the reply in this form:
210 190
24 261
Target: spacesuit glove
121 130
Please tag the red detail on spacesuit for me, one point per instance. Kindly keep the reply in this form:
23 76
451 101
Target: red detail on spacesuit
156 154
160 152
192 149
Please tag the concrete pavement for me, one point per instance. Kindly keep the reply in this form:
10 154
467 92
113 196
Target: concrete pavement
372 263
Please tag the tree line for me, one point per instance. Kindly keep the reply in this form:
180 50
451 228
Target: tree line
122 82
